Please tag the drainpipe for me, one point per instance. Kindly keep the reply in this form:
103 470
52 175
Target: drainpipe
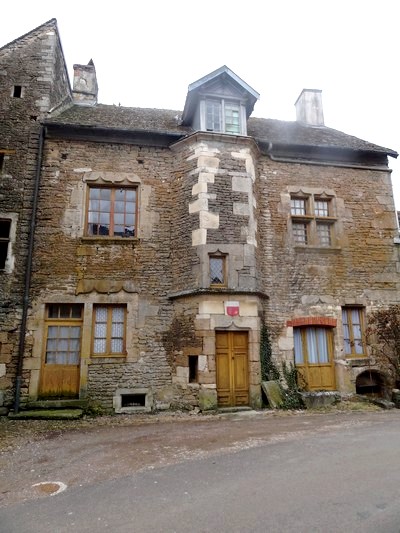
28 274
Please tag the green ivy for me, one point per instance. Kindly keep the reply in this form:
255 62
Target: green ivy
286 377
269 371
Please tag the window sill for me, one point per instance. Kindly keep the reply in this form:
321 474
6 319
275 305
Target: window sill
359 360
109 240
316 248
108 356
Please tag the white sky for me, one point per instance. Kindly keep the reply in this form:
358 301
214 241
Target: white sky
147 52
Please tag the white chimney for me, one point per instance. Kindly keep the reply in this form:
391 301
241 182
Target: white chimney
309 107
85 84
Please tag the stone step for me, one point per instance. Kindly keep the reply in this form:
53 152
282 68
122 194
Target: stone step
234 409
55 404
47 414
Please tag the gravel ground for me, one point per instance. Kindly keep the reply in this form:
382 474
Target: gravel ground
37 454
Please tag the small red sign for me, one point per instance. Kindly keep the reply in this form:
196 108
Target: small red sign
232 308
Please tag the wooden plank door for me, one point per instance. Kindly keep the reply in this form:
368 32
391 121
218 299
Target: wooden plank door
232 368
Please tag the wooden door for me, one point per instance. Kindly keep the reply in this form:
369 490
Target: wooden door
314 358
60 373
232 368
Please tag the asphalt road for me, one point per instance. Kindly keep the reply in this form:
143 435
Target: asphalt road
343 479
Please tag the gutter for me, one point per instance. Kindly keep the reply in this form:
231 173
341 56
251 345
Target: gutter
307 161
28 274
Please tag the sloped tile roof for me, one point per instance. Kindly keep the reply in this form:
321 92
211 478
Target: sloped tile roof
295 133
124 118
168 121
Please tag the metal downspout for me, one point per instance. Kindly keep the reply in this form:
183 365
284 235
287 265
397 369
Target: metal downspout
28 274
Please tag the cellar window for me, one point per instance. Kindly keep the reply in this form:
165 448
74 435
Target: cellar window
132 400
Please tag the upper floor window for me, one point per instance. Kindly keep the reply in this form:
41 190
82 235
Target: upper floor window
112 212
354 331
223 116
312 220
5 228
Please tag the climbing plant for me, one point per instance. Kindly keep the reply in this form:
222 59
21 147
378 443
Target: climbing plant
383 333
286 377
269 371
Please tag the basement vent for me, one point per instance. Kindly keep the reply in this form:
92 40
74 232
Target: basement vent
132 400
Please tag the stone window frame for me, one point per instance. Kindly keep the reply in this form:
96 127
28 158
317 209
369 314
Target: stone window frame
108 353
308 224
111 180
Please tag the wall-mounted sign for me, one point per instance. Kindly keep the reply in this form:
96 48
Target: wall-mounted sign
232 308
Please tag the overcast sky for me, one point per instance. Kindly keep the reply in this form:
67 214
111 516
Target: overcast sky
147 52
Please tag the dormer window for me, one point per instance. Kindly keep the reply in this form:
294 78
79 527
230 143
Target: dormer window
223 116
219 102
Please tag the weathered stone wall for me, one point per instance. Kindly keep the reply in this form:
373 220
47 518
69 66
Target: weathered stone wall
361 268
34 63
70 267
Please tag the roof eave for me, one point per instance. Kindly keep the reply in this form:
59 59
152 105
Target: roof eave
97 133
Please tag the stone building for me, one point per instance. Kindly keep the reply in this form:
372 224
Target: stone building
143 250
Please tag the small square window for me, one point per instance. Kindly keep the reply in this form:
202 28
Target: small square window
300 232
321 208
298 206
324 234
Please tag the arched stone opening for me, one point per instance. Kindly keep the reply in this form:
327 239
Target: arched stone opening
371 383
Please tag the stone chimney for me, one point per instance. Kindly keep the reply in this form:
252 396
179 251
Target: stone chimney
309 107
85 84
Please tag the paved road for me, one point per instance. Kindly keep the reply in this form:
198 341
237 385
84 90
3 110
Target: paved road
343 479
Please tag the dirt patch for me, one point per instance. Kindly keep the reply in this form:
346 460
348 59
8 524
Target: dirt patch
91 450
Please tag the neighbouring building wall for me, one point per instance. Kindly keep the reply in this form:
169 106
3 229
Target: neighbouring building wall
32 80
359 269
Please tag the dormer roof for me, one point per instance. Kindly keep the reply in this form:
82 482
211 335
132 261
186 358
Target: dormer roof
222 82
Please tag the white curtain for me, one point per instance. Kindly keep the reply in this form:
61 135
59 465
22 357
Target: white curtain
298 347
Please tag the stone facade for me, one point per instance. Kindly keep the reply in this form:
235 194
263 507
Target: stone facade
201 196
